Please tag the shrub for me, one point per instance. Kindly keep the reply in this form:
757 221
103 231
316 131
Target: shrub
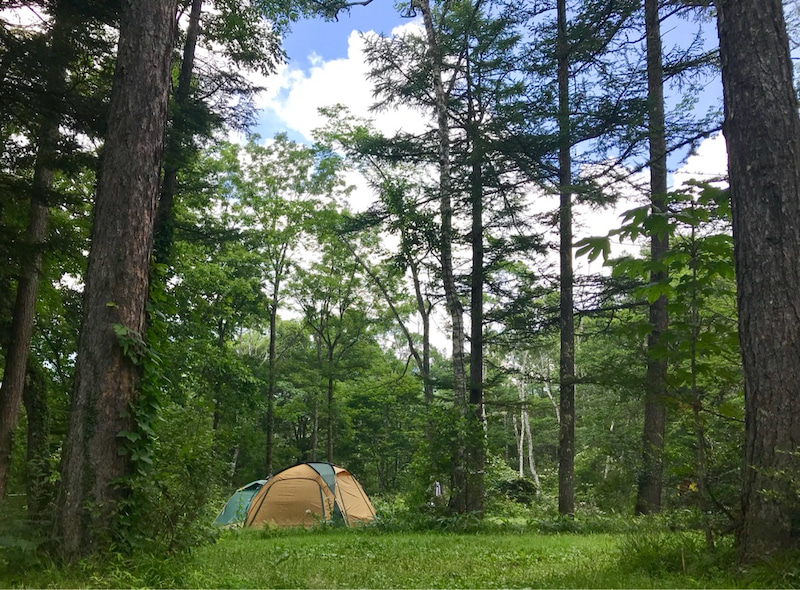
520 490
170 508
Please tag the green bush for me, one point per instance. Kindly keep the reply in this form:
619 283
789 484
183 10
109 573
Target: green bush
174 496
519 490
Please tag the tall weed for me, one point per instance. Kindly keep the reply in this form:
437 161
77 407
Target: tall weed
656 550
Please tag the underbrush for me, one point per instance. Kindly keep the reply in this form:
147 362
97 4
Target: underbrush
502 515
656 551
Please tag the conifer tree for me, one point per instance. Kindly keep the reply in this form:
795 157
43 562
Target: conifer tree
112 346
762 130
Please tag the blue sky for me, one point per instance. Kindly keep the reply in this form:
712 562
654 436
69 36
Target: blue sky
329 39
326 67
315 49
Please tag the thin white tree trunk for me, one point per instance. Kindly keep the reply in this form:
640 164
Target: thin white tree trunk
519 434
553 401
526 423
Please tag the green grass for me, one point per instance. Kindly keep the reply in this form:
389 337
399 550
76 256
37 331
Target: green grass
340 558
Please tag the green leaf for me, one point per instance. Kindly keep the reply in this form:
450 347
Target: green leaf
653 291
594 247
131 436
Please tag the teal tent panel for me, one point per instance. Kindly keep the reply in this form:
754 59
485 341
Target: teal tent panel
327 473
235 509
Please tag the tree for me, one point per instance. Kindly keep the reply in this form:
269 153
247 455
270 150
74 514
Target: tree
215 301
42 165
164 212
277 194
111 343
455 309
479 49
702 334
485 105
403 210
762 130
334 301
11 389
566 434
648 499
210 94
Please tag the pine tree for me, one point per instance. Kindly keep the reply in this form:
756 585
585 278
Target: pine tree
111 346
762 130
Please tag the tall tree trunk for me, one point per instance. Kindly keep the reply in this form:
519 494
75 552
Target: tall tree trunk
314 428
165 215
13 383
271 362
475 426
762 131
330 416
38 488
106 377
526 423
315 406
648 498
519 434
566 433
458 498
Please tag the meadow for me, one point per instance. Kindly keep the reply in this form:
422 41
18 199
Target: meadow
647 556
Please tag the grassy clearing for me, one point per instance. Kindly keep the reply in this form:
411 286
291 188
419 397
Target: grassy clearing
409 560
339 558
347 559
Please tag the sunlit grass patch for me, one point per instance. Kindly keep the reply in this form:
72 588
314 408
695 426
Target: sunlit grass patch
348 559
375 558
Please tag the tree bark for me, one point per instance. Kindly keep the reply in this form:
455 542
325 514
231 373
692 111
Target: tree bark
37 457
117 279
315 405
165 214
314 428
272 356
566 433
519 435
330 415
475 426
13 383
648 498
458 497
526 424
762 130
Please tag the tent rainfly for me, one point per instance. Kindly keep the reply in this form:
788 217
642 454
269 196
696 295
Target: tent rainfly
235 508
309 493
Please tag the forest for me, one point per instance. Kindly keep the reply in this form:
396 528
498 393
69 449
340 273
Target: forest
186 306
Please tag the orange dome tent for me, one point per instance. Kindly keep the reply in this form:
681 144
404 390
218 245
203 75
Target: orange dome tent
309 493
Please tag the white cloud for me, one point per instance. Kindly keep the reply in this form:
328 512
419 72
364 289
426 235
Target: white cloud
26 17
708 162
294 96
